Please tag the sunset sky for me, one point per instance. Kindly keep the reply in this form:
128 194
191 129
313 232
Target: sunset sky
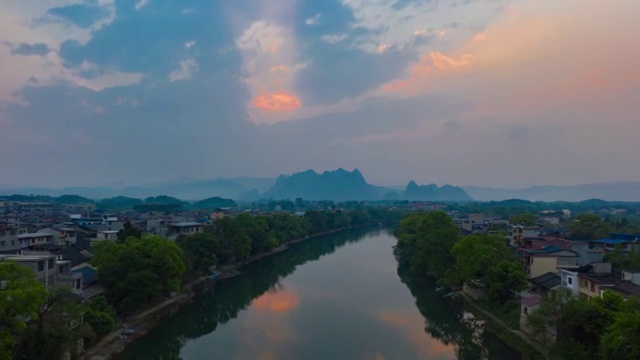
466 92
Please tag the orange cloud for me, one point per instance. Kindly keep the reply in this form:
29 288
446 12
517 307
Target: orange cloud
418 72
278 302
277 102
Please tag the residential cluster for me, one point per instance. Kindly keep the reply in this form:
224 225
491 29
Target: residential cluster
55 240
553 264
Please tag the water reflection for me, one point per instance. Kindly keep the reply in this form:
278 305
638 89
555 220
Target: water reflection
350 305
446 320
209 310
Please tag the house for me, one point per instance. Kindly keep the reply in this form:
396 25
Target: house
624 242
540 261
36 239
546 282
629 284
62 235
107 235
10 243
184 228
592 283
91 288
520 232
47 269
529 305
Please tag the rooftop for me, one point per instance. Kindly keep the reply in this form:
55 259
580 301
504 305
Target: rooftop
547 281
532 300
186 224
627 288
602 279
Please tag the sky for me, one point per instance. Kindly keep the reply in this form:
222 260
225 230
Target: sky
465 92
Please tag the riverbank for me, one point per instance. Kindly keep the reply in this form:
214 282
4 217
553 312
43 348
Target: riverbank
139 324
512 337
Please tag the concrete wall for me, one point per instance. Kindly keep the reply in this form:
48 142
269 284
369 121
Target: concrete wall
541 265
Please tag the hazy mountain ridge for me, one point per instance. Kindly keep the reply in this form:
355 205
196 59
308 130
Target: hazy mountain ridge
612 191
338 185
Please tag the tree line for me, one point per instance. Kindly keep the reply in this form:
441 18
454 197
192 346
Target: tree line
431 244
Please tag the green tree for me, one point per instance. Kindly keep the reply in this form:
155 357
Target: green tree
128 231
621 341
200 251
235 244
257 228
57 329
138 270
101 316
20 296
475 255
524 219
503 280
426 240
589 227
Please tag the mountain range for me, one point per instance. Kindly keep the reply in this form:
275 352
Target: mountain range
337 185
612 191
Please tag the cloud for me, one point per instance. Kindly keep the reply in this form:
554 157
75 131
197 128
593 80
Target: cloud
277 102
189 44
81 15
314 20
39 49
334 39
141 3
184 71
270 65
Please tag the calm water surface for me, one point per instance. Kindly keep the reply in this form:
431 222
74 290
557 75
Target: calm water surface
335 297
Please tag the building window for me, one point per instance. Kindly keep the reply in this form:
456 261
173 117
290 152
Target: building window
526 310
570 281
585 283
40 265
593 287
51 264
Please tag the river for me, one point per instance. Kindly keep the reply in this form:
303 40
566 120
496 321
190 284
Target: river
340 296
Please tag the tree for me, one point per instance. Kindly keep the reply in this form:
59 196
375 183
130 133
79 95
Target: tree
57 329
257 228
101 316
503 280
200 251
621 341
426 240
138 270
20 296
524 219
235 244
589 227
128 231
475 255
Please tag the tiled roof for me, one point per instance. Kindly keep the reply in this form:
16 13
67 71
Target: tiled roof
627 288
602 279
547 281
532 300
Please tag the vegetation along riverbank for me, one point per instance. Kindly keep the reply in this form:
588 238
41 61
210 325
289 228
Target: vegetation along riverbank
486 272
